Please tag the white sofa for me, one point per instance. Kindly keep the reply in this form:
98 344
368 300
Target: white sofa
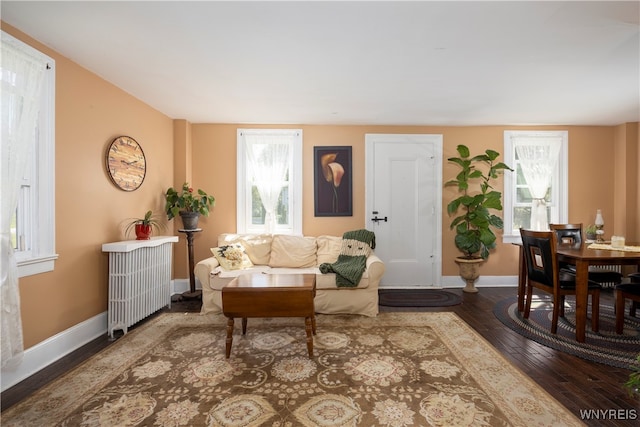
284 254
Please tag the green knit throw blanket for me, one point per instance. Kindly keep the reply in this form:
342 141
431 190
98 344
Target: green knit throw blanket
352 261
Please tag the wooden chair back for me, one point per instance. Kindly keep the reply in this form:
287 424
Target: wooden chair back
568 234
541 258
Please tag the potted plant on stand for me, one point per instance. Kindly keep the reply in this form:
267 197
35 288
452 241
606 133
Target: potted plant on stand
474 235
188 204
144 226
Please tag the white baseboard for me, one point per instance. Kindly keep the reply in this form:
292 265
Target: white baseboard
482 282
54 348
453 282
182 285
48 351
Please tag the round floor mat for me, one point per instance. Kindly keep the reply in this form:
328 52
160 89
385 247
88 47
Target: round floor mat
604 346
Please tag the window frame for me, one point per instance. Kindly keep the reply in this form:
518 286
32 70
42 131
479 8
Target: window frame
244 194
559 183
39 199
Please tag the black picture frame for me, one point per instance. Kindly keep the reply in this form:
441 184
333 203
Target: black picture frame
328 163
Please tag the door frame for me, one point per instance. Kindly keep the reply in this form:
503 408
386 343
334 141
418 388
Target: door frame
437 140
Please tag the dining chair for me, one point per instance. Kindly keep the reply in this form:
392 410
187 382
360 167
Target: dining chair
634 278
543 272
623 292
571 234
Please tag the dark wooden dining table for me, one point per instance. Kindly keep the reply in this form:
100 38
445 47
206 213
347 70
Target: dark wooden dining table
582 257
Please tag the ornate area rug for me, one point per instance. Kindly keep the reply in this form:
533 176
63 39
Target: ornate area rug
417 298
604 346
399 369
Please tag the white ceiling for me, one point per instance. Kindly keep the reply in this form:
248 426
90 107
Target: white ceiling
397 63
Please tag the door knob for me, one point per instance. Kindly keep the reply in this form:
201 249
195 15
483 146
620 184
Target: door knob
376 219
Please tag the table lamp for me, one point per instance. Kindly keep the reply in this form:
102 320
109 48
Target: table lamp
599 223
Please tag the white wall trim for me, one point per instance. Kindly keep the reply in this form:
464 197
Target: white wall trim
182 285
483 281
456 282
53 348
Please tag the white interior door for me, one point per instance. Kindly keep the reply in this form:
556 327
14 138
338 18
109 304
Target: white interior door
403 206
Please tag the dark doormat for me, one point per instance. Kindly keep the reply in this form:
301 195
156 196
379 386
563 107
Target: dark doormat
417 298
604 346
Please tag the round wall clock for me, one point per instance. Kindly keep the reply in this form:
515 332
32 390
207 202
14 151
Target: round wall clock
126 163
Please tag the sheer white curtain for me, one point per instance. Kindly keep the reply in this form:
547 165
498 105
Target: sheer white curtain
538 157
22 77
268 162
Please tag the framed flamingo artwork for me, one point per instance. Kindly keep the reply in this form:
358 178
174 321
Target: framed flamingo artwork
333 177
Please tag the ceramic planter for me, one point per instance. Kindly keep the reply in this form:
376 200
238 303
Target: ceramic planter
143 232
190 220
469 271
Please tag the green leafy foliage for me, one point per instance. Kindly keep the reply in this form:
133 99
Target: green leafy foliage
187 201
474 235
591 229
633 383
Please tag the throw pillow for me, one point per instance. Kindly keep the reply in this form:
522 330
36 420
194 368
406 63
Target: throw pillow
328 248
292 252
258 247
232 257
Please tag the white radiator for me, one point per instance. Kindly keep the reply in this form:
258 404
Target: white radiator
615 268
139 279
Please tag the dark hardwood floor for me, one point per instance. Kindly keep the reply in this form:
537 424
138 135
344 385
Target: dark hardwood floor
578 384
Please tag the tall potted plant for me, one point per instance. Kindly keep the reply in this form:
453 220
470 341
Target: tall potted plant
475 220
188 204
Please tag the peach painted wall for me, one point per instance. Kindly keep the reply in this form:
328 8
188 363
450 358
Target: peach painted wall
636 220
626 191
591 178
90 210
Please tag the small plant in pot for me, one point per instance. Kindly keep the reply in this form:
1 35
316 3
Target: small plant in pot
590 232
143 226
188 204
474 223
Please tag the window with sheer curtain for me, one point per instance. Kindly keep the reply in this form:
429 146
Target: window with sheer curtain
26 244
32 222
537 193
269 181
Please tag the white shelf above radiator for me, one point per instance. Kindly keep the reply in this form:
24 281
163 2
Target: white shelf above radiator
132 245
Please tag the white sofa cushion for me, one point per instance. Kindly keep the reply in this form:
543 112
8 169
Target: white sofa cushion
258 248
226 274
328 248
220 276
293 251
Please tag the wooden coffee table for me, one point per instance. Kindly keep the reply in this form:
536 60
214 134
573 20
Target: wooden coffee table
270 295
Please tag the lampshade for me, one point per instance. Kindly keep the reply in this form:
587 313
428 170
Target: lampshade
599 220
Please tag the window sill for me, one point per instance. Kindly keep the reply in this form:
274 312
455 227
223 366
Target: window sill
512 239
34 266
